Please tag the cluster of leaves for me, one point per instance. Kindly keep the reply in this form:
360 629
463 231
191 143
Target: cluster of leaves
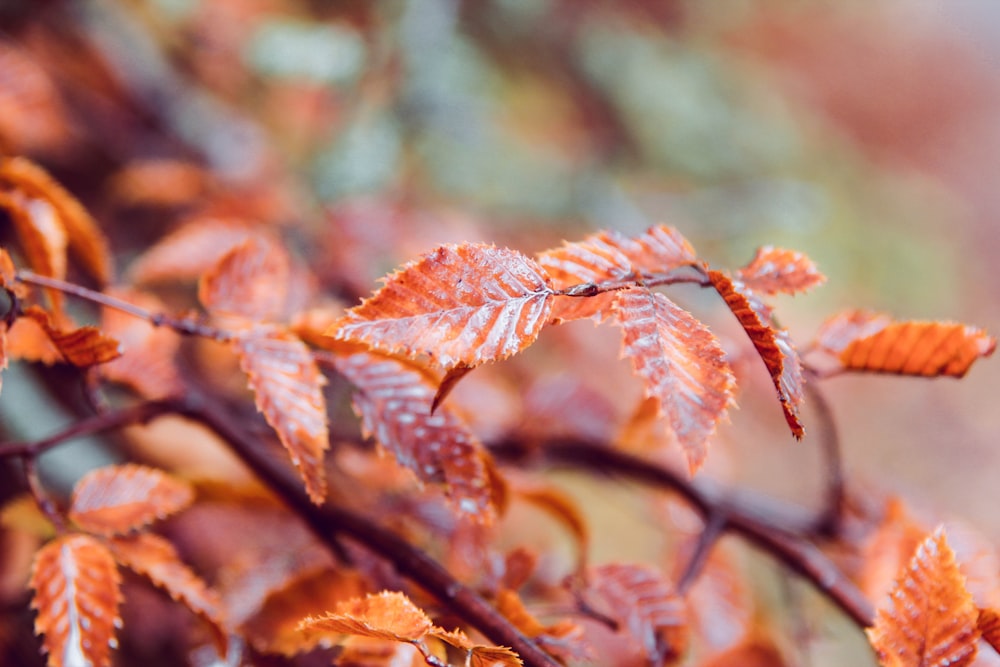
432 323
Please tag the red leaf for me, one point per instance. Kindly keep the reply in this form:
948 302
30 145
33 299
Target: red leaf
190 250
610 256
83 233
287 388
394 402
82 347
118 499
681 364
76 596
775 270
925 349
385 615
773 345
250 281
929 619
459 304
646 606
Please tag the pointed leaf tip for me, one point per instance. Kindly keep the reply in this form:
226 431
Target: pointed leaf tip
775 270
459 304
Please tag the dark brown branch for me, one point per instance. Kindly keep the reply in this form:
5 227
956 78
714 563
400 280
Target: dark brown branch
181 325
829 521
780 533
715 526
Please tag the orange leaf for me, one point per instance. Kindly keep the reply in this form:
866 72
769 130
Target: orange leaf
190 250
158 183
82 347
85 237
750 653
929 619
645 605
385 615
926 349
609 256
147 364
118 499
394 402
156 559
493 656
76 596
988 623
564 509
33 118
459 304
27 340
3 350
773 345
250 281
774 270
681 364
288 390
43 240
840 330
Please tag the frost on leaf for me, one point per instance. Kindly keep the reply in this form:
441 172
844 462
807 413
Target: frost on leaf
79 228
287 389
76 596
610 256
119 499
929 619
874 343
394 402
681 364
190 250
82 347
772 344
249 281
775 270
459 304
147 363
156 559
386 615
645 605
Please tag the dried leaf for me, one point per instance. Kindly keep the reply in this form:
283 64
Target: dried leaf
3 351
988 623
840 330
564 509
772 344
775 270
85 237
250 281
190 251
118 499
493 656
681 364
645 605
929 619
42 238
562 639
8 272
753 652
367 652
926 349
147 363
27 340
448 383
156 559
273 629
32 117
76 596
394 402
385 615
158 183
610 256
288 390
459 304
82 347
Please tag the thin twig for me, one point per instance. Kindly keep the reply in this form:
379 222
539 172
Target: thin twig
715 526
829 521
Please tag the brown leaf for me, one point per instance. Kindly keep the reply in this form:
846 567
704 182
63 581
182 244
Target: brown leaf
158 183
610 256
250 281
775 270
988 623
77 594
82 347
368 652
561 639
385 615
753 652
929 619
85 237
8 272
288 390
118 499
190 250
645 605
273 629
493 656
147 363
42 238
772 344
156 559
925 349
27 340
3 350
394 402
681 364
32 117
459 304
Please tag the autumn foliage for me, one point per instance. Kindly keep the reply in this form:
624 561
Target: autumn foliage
314 476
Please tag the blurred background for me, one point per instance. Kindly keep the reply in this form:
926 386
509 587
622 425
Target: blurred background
865 134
